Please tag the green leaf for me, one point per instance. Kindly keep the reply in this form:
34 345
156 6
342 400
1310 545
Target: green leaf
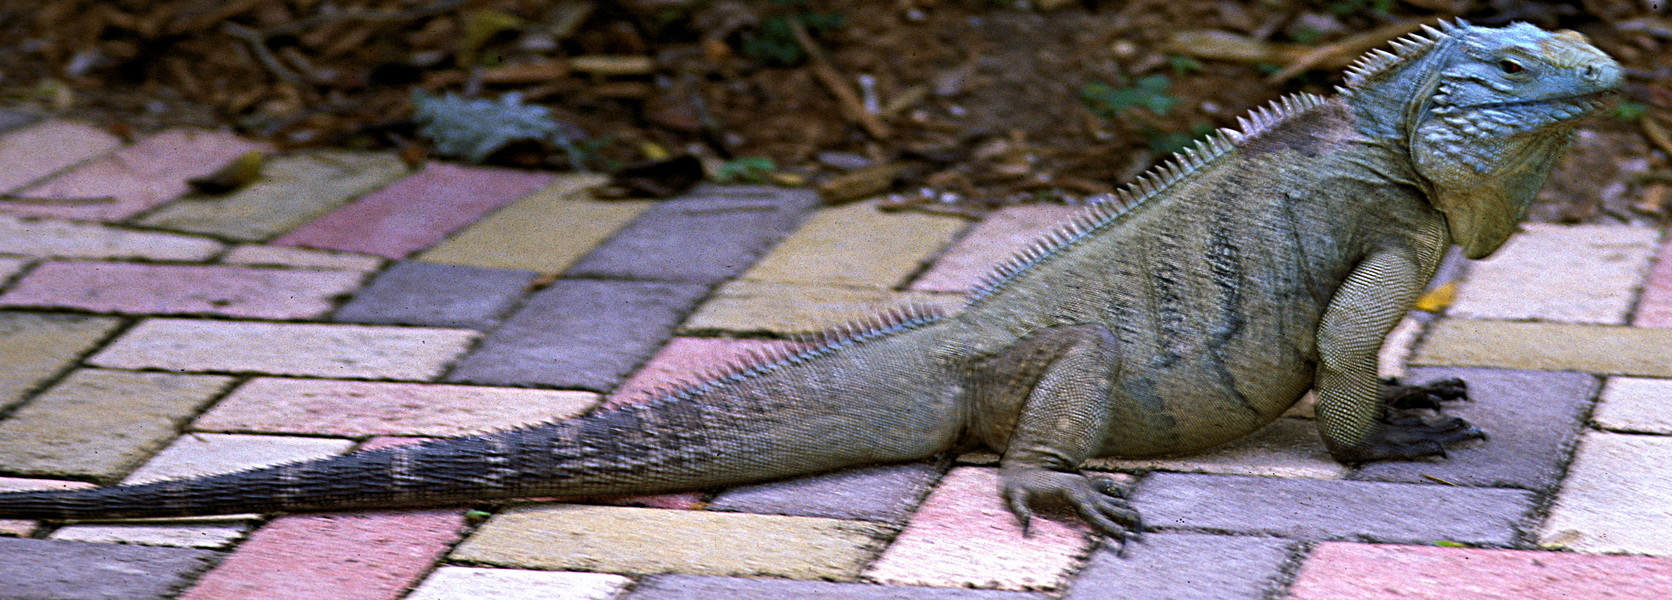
750 169
1628 110
1148 92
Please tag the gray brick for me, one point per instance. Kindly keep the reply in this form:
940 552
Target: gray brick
882 493
417 293
1533 419
1316 509
707 237
1172 566
690 587
11 119
42 569
580 334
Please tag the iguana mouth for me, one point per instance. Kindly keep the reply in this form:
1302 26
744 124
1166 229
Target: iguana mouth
1575 106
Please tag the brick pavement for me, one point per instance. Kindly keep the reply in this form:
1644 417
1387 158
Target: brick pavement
344 303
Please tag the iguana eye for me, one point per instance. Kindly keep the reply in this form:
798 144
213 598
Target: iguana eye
1510 66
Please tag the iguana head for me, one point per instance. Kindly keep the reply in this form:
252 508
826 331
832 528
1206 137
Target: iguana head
1486 114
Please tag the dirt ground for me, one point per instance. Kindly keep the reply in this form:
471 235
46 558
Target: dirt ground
953 105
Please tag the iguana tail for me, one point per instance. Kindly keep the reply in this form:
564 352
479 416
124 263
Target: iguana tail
828 405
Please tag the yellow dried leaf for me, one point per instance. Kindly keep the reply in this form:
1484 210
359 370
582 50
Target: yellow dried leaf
1437 299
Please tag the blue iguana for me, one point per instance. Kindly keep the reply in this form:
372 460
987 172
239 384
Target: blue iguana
1193 309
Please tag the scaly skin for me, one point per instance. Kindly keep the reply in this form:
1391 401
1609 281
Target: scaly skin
1191 310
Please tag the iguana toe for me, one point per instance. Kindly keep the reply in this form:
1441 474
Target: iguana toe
1409 437
1427 395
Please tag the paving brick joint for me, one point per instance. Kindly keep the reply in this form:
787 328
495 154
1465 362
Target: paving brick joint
345 302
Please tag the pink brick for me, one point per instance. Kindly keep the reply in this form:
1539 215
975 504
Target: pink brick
683 360
995 239
1372 572
182 289
417 211
41 150
963 536
134 178
351 556
1655 307
357 408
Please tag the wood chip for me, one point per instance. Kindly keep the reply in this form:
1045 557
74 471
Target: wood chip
1344 51
869 181
606 65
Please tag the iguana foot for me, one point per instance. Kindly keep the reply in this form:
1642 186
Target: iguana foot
1101 502
1427 395
1409 437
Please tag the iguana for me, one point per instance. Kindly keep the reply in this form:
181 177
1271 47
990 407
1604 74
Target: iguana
1192 309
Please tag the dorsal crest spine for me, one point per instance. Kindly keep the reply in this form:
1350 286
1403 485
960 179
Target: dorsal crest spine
1104 212
1410 47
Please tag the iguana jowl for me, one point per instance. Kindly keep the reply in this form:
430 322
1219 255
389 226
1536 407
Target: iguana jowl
1191 310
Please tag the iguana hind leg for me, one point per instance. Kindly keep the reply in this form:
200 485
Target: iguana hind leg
1055 385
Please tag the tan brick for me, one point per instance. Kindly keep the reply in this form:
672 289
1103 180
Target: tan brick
744 305
856 245
617 539
358 408
544 232
99 423
1604 349
307 349
1572 274
35 347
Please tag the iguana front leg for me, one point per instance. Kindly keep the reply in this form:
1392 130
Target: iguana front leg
1063 377
1353 410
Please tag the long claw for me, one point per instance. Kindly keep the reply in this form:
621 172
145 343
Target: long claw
1018 500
